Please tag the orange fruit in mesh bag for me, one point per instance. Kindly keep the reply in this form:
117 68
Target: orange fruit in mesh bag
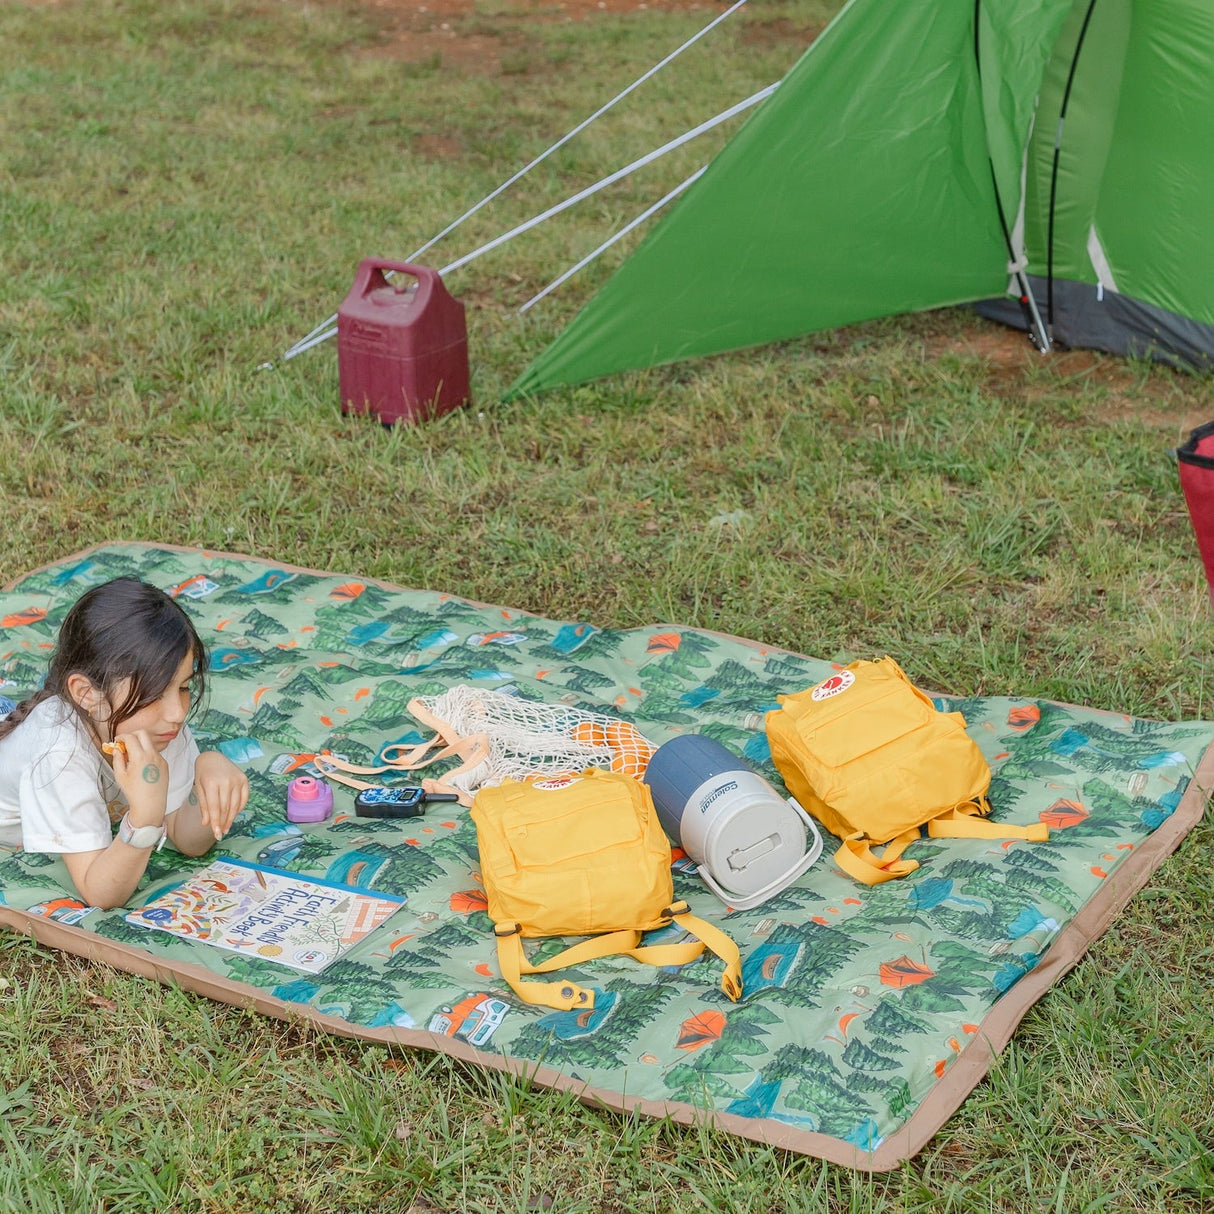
631 762
631 751
589 733
623 735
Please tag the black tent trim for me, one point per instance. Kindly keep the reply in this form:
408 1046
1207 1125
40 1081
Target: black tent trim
1086 316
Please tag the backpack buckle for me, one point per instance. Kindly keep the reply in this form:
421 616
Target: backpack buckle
675 908
504 930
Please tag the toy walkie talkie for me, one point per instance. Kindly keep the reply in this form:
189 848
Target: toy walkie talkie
407 802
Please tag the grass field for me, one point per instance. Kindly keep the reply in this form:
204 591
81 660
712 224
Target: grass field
185 189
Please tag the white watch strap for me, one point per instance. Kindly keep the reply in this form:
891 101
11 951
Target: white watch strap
141 836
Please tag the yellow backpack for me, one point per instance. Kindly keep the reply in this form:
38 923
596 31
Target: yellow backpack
583 855
873 759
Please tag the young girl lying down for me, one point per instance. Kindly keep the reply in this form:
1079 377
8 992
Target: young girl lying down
106 741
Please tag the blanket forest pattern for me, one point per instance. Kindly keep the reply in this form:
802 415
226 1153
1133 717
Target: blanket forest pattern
857 1000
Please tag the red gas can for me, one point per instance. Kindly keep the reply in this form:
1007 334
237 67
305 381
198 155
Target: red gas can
402 347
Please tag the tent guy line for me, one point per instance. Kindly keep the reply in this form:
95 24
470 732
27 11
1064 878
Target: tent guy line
628 227
724 116
707 125
326 329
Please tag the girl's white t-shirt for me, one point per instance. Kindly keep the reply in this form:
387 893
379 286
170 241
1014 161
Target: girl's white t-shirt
57 792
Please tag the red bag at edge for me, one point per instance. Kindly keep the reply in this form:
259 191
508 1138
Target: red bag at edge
1196 461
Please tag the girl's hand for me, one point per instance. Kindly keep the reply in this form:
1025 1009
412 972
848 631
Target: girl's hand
143 776
222 790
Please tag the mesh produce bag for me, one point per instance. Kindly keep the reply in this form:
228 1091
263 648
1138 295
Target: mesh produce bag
524 738
498 737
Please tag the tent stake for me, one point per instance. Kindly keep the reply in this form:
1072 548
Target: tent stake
1038 334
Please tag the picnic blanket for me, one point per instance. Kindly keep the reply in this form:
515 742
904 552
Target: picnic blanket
868 1013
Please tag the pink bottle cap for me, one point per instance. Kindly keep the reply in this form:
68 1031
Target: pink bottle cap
308 800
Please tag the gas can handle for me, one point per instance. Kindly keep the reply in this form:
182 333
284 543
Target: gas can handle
370 275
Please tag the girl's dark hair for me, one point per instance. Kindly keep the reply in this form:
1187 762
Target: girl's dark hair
122 629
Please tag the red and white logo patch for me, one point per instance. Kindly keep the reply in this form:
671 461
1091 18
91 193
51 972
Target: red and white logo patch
555 782
835 685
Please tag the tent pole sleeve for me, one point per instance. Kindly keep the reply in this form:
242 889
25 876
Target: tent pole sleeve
1037 332
1066 98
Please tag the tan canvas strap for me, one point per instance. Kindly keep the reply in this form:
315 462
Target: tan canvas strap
473 750
401 760
330 772
443 729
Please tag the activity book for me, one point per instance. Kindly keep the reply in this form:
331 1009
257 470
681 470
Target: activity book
277 916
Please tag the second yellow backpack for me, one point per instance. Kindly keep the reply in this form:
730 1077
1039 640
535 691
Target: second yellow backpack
583 855
872 758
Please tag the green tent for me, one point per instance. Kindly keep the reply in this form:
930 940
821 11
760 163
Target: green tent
1056 153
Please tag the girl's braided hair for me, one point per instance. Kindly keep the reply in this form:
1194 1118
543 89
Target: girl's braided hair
124 629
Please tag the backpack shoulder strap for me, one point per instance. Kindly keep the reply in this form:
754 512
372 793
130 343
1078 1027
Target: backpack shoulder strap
568 996
563 996
717 942
858 860
965 821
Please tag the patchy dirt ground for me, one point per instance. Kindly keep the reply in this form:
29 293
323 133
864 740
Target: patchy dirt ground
1159 396
539 10
487 36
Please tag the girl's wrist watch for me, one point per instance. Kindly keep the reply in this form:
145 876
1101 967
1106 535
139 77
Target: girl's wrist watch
141 836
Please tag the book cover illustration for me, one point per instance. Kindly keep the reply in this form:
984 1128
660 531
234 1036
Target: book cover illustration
295 921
